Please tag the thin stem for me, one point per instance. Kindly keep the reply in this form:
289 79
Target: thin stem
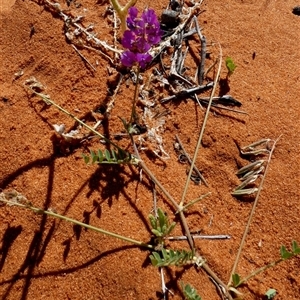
47 100
209 271
133 110
203 128
260 270
153 178
190 161
185 207
251 214
58 216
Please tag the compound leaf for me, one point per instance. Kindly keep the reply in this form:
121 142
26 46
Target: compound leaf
190 293
284 253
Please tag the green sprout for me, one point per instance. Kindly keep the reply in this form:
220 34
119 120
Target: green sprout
190 292
230 65
161 226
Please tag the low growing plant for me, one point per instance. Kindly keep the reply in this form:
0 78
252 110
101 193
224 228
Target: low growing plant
141 34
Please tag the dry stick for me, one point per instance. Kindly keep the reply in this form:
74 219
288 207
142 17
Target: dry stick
203 128
190 161
188 92
251 214
84 58
182 217
210 272
115 32
100 52
65 17
48 101
111 103
203 52
199 236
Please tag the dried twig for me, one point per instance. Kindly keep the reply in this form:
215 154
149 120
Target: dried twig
202 38
253 209
199 236
190 161
188 92
84 58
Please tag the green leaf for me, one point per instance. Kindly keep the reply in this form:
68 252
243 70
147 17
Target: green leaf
107 155
161 217
86 158
123 155
94 157
157 232
270 294
171 257
230 65
190 293
236 279
295 248
114 155
284 253
155 259
170 228
160 224
100 156
152 221
164 254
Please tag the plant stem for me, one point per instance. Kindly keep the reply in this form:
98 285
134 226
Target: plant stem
208 270
260 270
122 11
58 216
251 214
48 101
202 128
133 116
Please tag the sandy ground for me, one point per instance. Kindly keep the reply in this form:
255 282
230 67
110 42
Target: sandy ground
44 258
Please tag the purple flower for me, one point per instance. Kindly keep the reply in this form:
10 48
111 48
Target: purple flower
143 32
129 58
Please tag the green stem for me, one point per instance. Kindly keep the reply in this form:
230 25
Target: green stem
260 270
58 216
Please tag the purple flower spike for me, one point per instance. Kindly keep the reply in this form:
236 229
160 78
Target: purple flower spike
133 12
143 59
128 58
128 39
143 33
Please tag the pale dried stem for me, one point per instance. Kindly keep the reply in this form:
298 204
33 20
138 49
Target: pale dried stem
203 128
251 214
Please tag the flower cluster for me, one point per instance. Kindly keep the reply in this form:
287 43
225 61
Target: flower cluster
142 33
